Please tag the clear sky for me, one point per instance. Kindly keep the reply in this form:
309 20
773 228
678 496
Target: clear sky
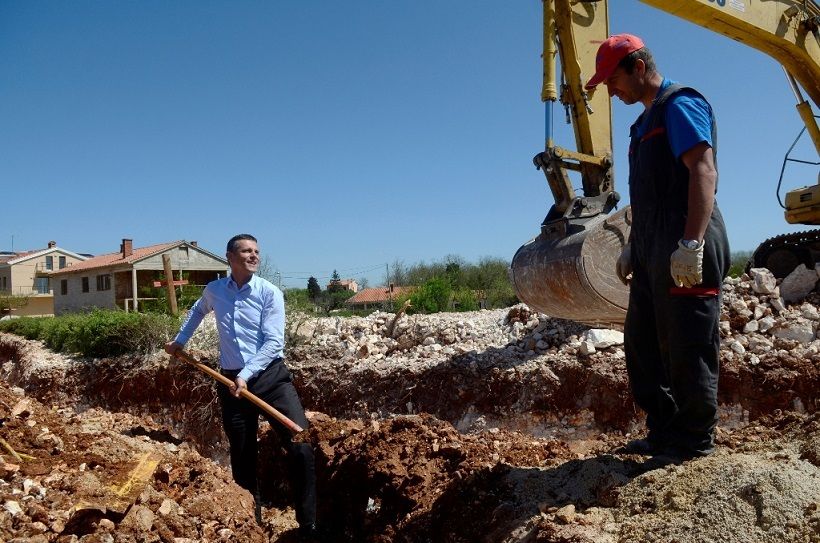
344 135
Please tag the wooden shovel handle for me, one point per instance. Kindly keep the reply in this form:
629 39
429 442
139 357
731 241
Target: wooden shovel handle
286 422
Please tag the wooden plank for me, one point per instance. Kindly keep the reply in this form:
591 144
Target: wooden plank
177 283
169 276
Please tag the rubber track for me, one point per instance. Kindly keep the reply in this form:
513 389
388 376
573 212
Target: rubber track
787 241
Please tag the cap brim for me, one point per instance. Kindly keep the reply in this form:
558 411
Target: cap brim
594 82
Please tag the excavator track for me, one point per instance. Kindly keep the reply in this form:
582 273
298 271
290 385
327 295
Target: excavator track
782 254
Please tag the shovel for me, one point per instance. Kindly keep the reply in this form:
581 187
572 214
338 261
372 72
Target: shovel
258 402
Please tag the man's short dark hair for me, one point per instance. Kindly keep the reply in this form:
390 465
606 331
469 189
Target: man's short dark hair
236 238
628 62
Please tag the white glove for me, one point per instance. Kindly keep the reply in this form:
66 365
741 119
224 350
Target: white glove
686 265
623 267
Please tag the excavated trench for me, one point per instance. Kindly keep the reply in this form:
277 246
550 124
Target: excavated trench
493 426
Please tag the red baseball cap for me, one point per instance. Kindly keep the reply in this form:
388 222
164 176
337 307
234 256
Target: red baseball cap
610 53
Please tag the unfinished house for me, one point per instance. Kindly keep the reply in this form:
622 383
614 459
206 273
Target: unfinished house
27 277
121 279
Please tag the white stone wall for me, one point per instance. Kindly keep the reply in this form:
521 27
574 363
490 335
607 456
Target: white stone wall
76 299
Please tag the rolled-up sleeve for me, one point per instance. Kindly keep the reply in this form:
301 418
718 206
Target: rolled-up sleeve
271 337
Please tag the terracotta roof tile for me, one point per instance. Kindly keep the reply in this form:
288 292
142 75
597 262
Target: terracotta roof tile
115 259
377 295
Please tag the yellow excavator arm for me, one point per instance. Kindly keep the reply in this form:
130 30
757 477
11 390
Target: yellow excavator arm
567 271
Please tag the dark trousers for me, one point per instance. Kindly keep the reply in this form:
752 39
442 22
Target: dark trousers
672 358
240 418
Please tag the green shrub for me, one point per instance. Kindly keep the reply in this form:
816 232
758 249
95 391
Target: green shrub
738 263
465 299
100 333
22 327
432 297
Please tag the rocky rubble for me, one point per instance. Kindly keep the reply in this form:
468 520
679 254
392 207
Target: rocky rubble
496 426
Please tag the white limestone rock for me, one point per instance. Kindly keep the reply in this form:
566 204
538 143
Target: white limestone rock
602 338
764 281
798 284
800 330
765 324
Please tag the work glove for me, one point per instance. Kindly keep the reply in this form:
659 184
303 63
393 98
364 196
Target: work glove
623 267
686 265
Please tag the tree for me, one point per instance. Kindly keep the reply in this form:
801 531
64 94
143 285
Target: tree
266 269
362 282
314 290
397 275
335 283
333 299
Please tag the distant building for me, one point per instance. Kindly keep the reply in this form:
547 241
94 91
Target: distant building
114 280
345 284
377 298
30 273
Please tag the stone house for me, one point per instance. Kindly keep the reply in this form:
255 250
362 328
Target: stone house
29 274
345 284
114 280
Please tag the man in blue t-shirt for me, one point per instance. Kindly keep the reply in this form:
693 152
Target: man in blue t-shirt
677 253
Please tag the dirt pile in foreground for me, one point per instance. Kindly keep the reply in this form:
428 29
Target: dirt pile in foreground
496 426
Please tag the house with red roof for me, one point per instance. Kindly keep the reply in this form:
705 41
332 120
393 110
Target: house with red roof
378 298
115 280
27 275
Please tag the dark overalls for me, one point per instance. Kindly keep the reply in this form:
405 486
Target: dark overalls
671 334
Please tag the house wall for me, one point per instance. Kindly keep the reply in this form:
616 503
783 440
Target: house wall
21 279
183 258
23 273
5 279
77 300
37 306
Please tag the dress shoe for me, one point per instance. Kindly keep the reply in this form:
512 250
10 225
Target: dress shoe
639 446
310 533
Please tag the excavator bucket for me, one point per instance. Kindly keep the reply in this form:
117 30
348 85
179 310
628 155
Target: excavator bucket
571 275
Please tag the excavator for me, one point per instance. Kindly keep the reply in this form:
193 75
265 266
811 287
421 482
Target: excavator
568 269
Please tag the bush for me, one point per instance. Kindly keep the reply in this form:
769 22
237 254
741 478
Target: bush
432 297
738 263
100 333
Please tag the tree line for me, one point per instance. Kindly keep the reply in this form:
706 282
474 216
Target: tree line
451 284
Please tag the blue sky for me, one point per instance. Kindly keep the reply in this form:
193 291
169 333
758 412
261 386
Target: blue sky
344 135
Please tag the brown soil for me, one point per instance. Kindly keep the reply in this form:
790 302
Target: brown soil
490 445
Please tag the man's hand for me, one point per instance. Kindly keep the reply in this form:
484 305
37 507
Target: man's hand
239 386
172 347
623 267
686 265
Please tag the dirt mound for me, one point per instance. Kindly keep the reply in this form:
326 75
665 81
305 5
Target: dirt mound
495 426
66 476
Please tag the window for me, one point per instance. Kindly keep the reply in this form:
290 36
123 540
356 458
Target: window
49 262
104 282
3 285
62 262
41 285
63 286
85 284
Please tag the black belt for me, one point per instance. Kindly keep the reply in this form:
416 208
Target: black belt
233 373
